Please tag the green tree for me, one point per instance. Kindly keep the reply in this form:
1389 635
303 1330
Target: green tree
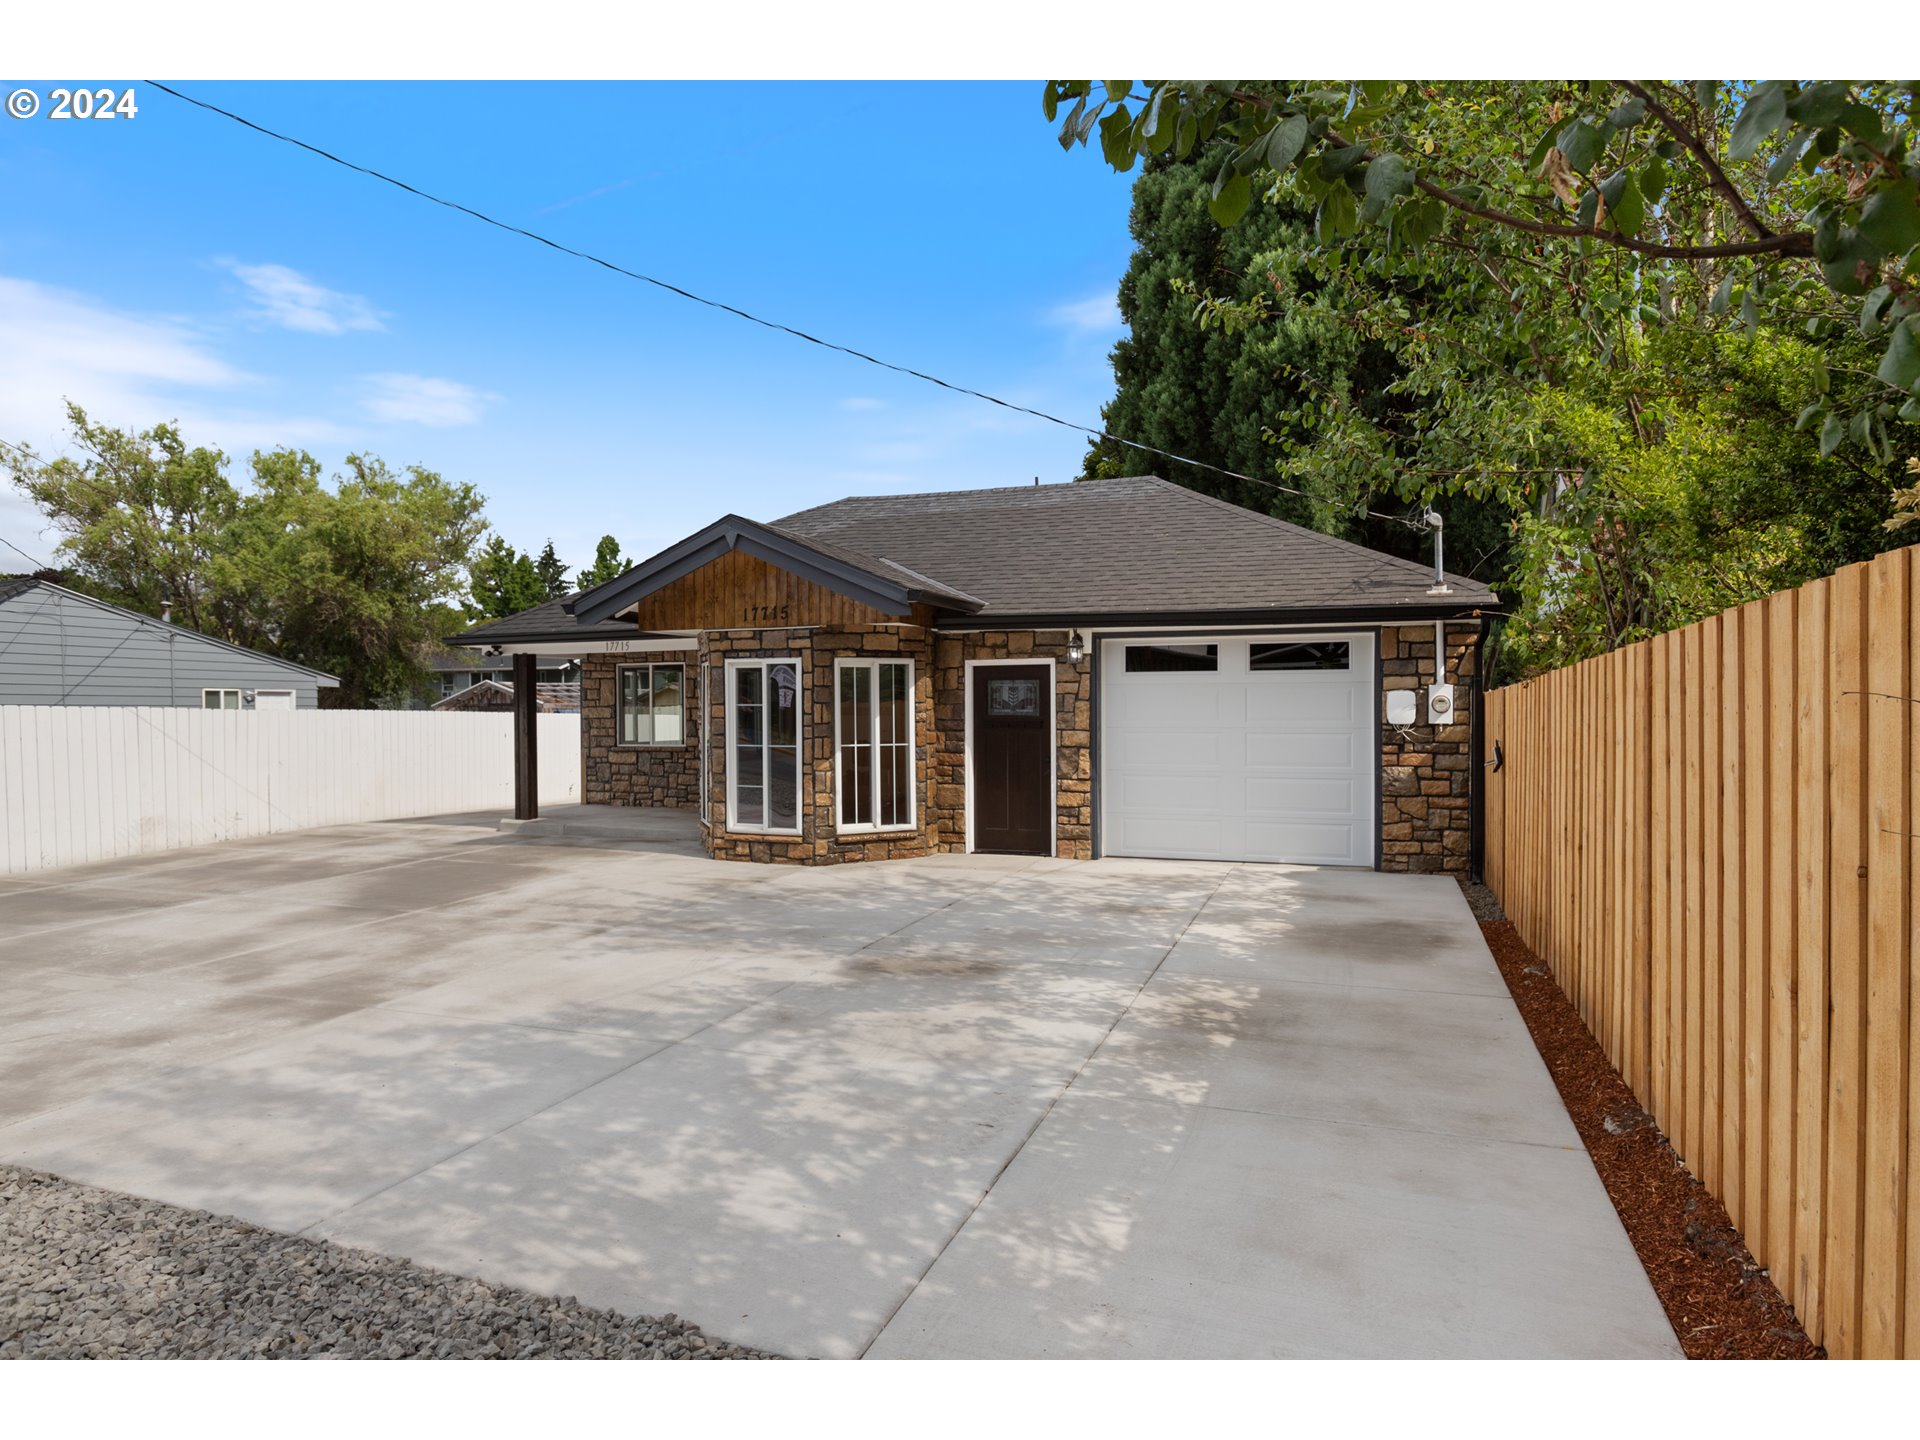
356 578
1235 336
1801 200
359 579
1685 488
139 515
505 581
1524 294
552 573
607 564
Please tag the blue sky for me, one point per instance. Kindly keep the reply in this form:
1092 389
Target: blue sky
178 266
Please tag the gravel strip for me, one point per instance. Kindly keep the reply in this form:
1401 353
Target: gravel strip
92 1274
1722 1305
1482 901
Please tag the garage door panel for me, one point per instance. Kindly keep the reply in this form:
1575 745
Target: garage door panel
1271 703
1175 702
1199 751
1167 794
1170 837
1301 842
1300 751
1236 764
1300 796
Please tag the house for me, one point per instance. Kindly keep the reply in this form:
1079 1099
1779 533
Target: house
497 695
1114 667
59 647
455 670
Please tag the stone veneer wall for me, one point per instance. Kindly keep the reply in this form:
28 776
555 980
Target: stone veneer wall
1073 715
664 777
816 649
1426 774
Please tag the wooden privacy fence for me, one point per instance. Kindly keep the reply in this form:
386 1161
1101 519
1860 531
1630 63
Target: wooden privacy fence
90 782
1709 837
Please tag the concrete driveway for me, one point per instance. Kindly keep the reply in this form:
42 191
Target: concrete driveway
963 1106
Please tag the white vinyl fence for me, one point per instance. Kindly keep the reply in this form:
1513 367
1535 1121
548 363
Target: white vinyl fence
89 782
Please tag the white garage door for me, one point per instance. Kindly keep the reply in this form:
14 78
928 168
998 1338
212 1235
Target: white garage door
1239 748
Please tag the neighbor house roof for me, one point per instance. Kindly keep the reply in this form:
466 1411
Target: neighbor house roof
498 695
1135 546
13 587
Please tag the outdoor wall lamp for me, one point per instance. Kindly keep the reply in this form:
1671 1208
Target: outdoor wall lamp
1076 648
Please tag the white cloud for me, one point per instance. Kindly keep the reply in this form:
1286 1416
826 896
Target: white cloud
126 369
424 400
68 343
288 298
1096 315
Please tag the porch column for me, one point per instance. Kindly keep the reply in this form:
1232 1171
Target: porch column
526 747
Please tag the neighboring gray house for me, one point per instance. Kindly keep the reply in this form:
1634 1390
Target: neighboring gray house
58 647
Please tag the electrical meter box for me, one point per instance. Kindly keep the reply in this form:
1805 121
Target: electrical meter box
1440 705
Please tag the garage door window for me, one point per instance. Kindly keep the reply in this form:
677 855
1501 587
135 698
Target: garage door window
1310 655
1146 659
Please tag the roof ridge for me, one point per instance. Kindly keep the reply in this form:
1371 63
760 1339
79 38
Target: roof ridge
831 546
971 490
1306 531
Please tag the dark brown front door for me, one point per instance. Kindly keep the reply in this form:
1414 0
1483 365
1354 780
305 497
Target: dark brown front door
1013 759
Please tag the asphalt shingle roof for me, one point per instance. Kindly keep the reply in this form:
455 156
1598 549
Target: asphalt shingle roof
547 621
1137 545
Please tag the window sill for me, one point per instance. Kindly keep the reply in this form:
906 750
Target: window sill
653 745
860 832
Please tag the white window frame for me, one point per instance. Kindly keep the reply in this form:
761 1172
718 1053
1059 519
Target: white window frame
686 730
222 691
765 663
872 663
292 698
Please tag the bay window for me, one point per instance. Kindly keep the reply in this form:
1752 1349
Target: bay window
763 741
873 744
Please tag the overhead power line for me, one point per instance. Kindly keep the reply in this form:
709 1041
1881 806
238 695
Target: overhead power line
754 319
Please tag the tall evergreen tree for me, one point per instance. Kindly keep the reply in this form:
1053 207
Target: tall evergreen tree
1237 348
505 581
607 564
552 573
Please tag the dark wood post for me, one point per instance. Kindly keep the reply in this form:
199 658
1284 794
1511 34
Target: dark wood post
526 742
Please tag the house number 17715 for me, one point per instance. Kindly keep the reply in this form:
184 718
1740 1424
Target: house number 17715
761 614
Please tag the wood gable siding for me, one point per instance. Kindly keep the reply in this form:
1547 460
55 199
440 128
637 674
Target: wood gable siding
738 591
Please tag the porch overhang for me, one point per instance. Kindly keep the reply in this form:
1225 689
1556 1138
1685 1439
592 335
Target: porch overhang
580 648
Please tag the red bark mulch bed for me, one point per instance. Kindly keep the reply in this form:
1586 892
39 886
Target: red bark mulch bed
1722 1305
